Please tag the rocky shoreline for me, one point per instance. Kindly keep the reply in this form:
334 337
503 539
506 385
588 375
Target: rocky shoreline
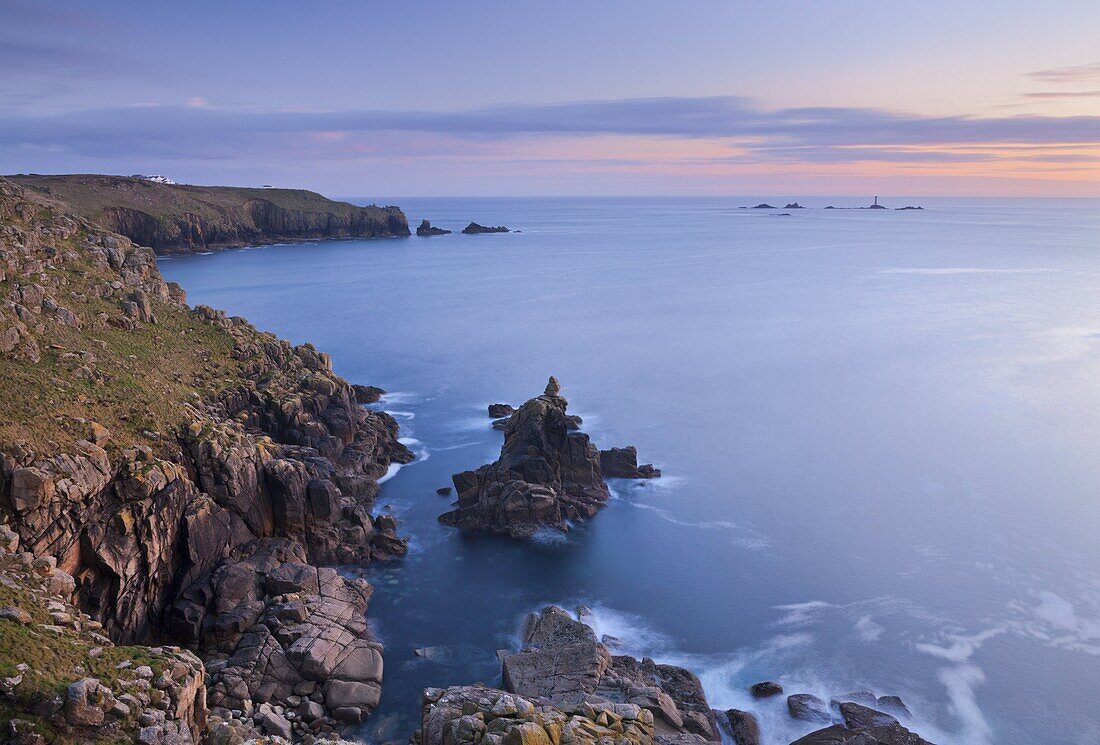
175 488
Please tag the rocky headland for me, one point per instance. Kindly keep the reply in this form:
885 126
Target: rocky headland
177 478
180 218
548 473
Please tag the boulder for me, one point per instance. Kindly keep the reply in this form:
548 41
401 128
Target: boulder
496 411
367 394
808 708
622 463
766 689
857 716
743 727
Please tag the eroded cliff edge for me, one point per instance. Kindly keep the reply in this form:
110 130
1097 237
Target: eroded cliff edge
177 476
180 218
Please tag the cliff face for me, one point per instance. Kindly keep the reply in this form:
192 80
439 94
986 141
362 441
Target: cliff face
171 462
177 218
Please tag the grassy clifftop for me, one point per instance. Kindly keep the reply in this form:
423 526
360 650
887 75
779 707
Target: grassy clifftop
175 218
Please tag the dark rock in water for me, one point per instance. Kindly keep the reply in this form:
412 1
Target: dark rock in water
808 708
857 716
474 229
893 734
794 206
622 463
763 206
766 689
563 664
425 228
497 411
502 424
367 394
903 209
743 727
830 207
546 474
443 491
893 705
782 214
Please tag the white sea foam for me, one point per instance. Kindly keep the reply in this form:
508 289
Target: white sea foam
949 270
399 397
868 630
747 538
549 537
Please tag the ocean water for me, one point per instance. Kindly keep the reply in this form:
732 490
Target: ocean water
879 434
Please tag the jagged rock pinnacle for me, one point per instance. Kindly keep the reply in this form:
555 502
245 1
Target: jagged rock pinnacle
553 388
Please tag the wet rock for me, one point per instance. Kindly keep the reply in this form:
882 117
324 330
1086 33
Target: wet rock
743 726
443 491
893 705
857 716
808 708
766 689
622 463
367 394
496 411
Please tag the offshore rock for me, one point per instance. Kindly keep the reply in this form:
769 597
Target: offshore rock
545 476
474 229
425 229
622 463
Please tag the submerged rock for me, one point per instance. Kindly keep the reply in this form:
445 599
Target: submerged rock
425 228
743 727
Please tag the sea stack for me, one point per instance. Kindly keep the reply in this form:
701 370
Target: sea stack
547 475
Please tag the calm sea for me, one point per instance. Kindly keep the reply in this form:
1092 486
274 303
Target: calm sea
880 433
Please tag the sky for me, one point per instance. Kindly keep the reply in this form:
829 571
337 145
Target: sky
602 97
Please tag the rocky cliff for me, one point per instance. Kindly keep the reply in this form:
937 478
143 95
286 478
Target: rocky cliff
179 218
185 472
